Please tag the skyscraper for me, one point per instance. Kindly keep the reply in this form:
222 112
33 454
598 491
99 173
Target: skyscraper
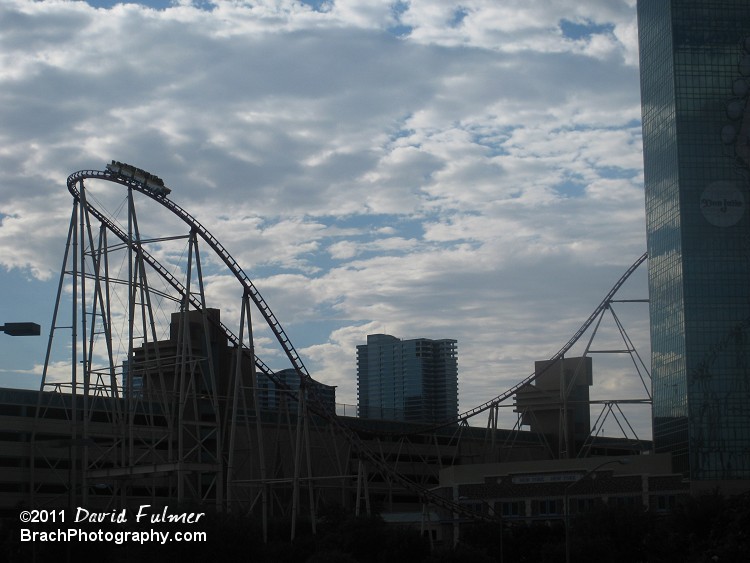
695 78
407 380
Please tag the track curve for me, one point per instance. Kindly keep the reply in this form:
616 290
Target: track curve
271 319
505 395
568 345
318 407
213 243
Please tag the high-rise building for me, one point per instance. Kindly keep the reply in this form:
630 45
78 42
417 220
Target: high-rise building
695 79
407 380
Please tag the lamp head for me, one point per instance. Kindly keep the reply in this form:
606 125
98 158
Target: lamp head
21 329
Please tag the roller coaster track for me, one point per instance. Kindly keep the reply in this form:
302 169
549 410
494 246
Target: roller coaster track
505 395
153 262
215 245
269 316
356 442
274 323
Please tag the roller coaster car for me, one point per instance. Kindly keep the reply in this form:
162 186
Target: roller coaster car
153 183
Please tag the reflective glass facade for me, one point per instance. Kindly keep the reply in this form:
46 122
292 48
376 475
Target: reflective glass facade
407 380
695 79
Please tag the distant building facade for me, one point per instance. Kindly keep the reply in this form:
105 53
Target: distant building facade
207 342
555 490
419 458
271 396
407 380
695 80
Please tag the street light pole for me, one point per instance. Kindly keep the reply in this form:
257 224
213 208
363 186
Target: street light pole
566 500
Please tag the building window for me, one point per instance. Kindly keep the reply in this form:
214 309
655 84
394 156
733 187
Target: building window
548 507
513 509
665 503
625 502
582 505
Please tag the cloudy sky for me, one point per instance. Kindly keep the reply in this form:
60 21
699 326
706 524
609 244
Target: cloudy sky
423 168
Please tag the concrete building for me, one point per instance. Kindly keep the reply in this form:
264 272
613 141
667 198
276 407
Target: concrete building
548 491
557 402
695 79
407 380
138 447
339 474
271 396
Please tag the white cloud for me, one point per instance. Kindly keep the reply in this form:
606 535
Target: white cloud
456 170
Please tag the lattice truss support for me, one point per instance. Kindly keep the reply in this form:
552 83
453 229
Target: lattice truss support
155 407
150 424
564 401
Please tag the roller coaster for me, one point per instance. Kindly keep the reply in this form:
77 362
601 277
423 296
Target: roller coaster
182 417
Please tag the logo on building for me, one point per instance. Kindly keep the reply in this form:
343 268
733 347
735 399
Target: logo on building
722 204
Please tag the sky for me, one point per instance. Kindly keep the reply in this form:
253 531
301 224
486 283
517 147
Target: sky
422 168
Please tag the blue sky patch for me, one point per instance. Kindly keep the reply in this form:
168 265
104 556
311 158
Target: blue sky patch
572 187
459 14
578 30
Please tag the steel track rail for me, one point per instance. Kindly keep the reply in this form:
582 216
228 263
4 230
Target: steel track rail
352 437
155 264
215 245
278 330
502 397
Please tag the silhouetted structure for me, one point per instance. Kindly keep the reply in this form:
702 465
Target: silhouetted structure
556 403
